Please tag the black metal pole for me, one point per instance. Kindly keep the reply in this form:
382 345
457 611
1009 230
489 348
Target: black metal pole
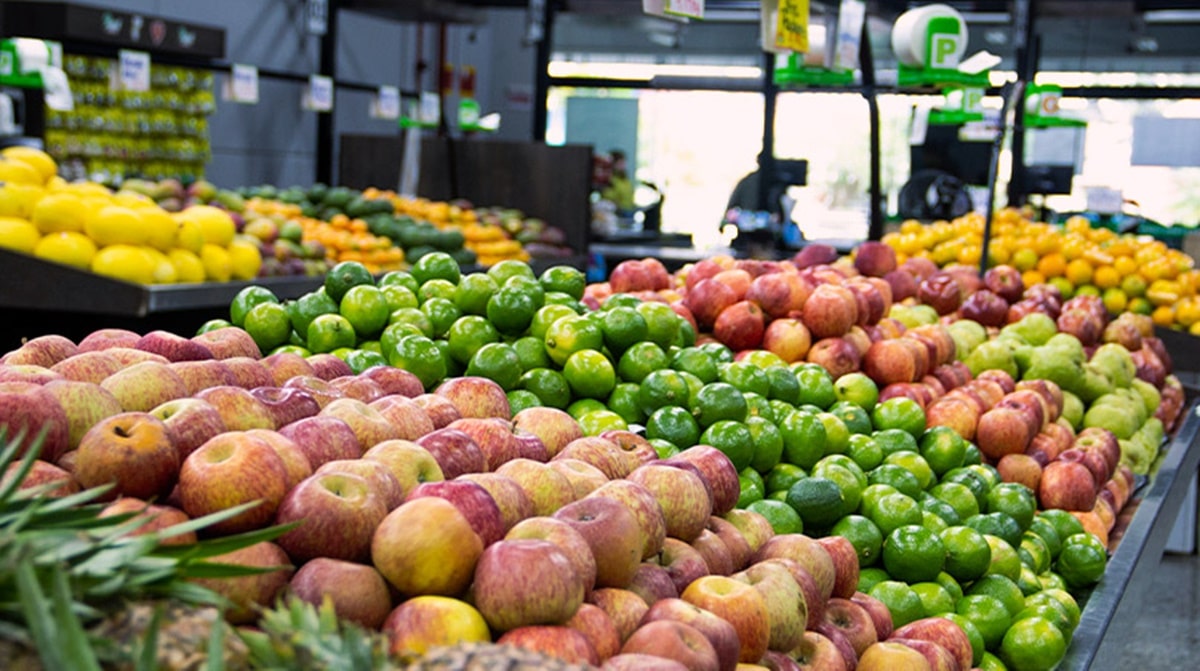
328 67
875 190
766 158
541 73
1027 48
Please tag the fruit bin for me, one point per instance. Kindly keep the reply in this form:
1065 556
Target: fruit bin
1118 598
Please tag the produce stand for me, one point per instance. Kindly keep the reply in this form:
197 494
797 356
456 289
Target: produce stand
1118 598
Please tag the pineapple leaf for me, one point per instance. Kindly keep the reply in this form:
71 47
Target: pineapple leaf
213 547
186 592
207 569
74 640
146 652
207 520
216 646
7 489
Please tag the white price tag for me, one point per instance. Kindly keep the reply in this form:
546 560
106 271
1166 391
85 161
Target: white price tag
243 84
431 108
387 103
133 70
319 97
690 8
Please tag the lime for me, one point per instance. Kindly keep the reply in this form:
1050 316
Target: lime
971 480
624 401
246 299
306 308
473 291
761 358
783 518
467 334
987 472
498 362
1064 523
597 422
940 509
442 314
895 440
436 266
1028 580
1050 611
719 401
213 325
972 455
733 439
400 278
294 349
818 500
912 553
901 601
871 576
768 444
345 275
897 476
421 357
894 511
622 327
662 323
858 389
414 317
816 385
620 300
1033 644
837 434
571 334
268 324
640 360
863 535
1060 597
526 285
899 412
664 387
990 662
783 384
531 352
1049 535
564 279
745 377
675 425
803 439
502 271
855 418
1005 561
851 483
436 288
520 399
977 645
547 315
777 409
1015 500
366 308
719 352
697 362
1004 589
453 367
865 451
997 524
781 477
399 297
989 616
951 585
942 448
548 385
913 463
871 495
685 336
1051 580
664 449
751 487
583 406
1080 564
511 310
328 332
590 374
935 600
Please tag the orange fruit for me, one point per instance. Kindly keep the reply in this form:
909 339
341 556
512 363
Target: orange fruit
1052 265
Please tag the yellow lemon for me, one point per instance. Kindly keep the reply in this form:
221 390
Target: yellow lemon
18 235
216 224
18 200
66 247
124 262
19 172
89 189
161 229
116 225
188 267
245 258
164 270
218 265
60 212
132 199
56 183
35 158
188 236
1106 277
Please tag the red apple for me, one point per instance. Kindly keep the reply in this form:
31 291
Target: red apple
787 612
286 404
808 553
284 366
881 617
455 452
358 593
673 640
684 563
323 392
239 409
227 343
644 507
740 604
133 452
423 623
595 624
407 461
493 435
251 593
473 500
817 653
323 439
378 476
368 424
439 409
942 632
514 504
740 326
567 538
835 355
718 472
845 565
360 388
584 477
394 381
337 515
555 427
426 547
684 497
1068 485
475 396
526 582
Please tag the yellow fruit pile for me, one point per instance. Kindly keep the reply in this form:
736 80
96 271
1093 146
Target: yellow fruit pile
492 244
122 235
437 212
1130 273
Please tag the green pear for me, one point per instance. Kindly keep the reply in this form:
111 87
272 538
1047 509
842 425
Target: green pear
1092 385
1072 410
1149 393
1116 362
967 334
992 355
1036 328
1136 456
1048 363
1115 417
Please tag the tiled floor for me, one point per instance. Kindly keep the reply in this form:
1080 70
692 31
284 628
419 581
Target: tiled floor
1166 635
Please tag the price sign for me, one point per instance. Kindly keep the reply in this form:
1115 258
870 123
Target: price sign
133 70
791 28
243 84
320 93
387 103
317 16
690 8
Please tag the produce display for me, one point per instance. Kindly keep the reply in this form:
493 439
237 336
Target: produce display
866 462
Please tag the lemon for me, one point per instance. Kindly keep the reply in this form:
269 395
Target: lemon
188 235
124 262
18 200
245 258
115 225
218 265
19 172
132 199
18 235
215 224
35 158
164 270
56 183
161 229
90 189
60 212
188 267
66 247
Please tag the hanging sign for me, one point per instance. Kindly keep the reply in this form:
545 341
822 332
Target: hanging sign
386 104
133 70
791 25
692 9
319 96
243 84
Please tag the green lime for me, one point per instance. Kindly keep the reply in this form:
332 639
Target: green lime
1064 523
548 385
400 278
847 480
870 576
718 351
246 299
366 308
971 480
1003 589
640 360
915 464
745 377
858 389
497 361
664 449
620 300
421 357
436 288
662 323
473 292
622 327
990 662
863 535
1005 560
942 448
1034 553
571 334
781 477
308 307
757 406
697 362
1015 500
761 358
913 553
972 455
783 518
901 601
547 315
328 332
844 462
345 275
897 476
467 334
783 383
768 444
818 500
865 451
268 324
837 434
504 270
394 332
1049 611
719 401
564 279
816 385
751 485
213 325
624 401
733 439
939 509
935 600
583 406
590 374
414 317
664 387
978 648
520 399
453 367
1062 599
997 524
803 439
361 359
1081 564
951 585
597 422
778 409
675 425
532 287
857 421
442 314
436 266
899 412
1049 535
531 352
893 511
399 297
1033 644
987 472
511 310
895 440
989 616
